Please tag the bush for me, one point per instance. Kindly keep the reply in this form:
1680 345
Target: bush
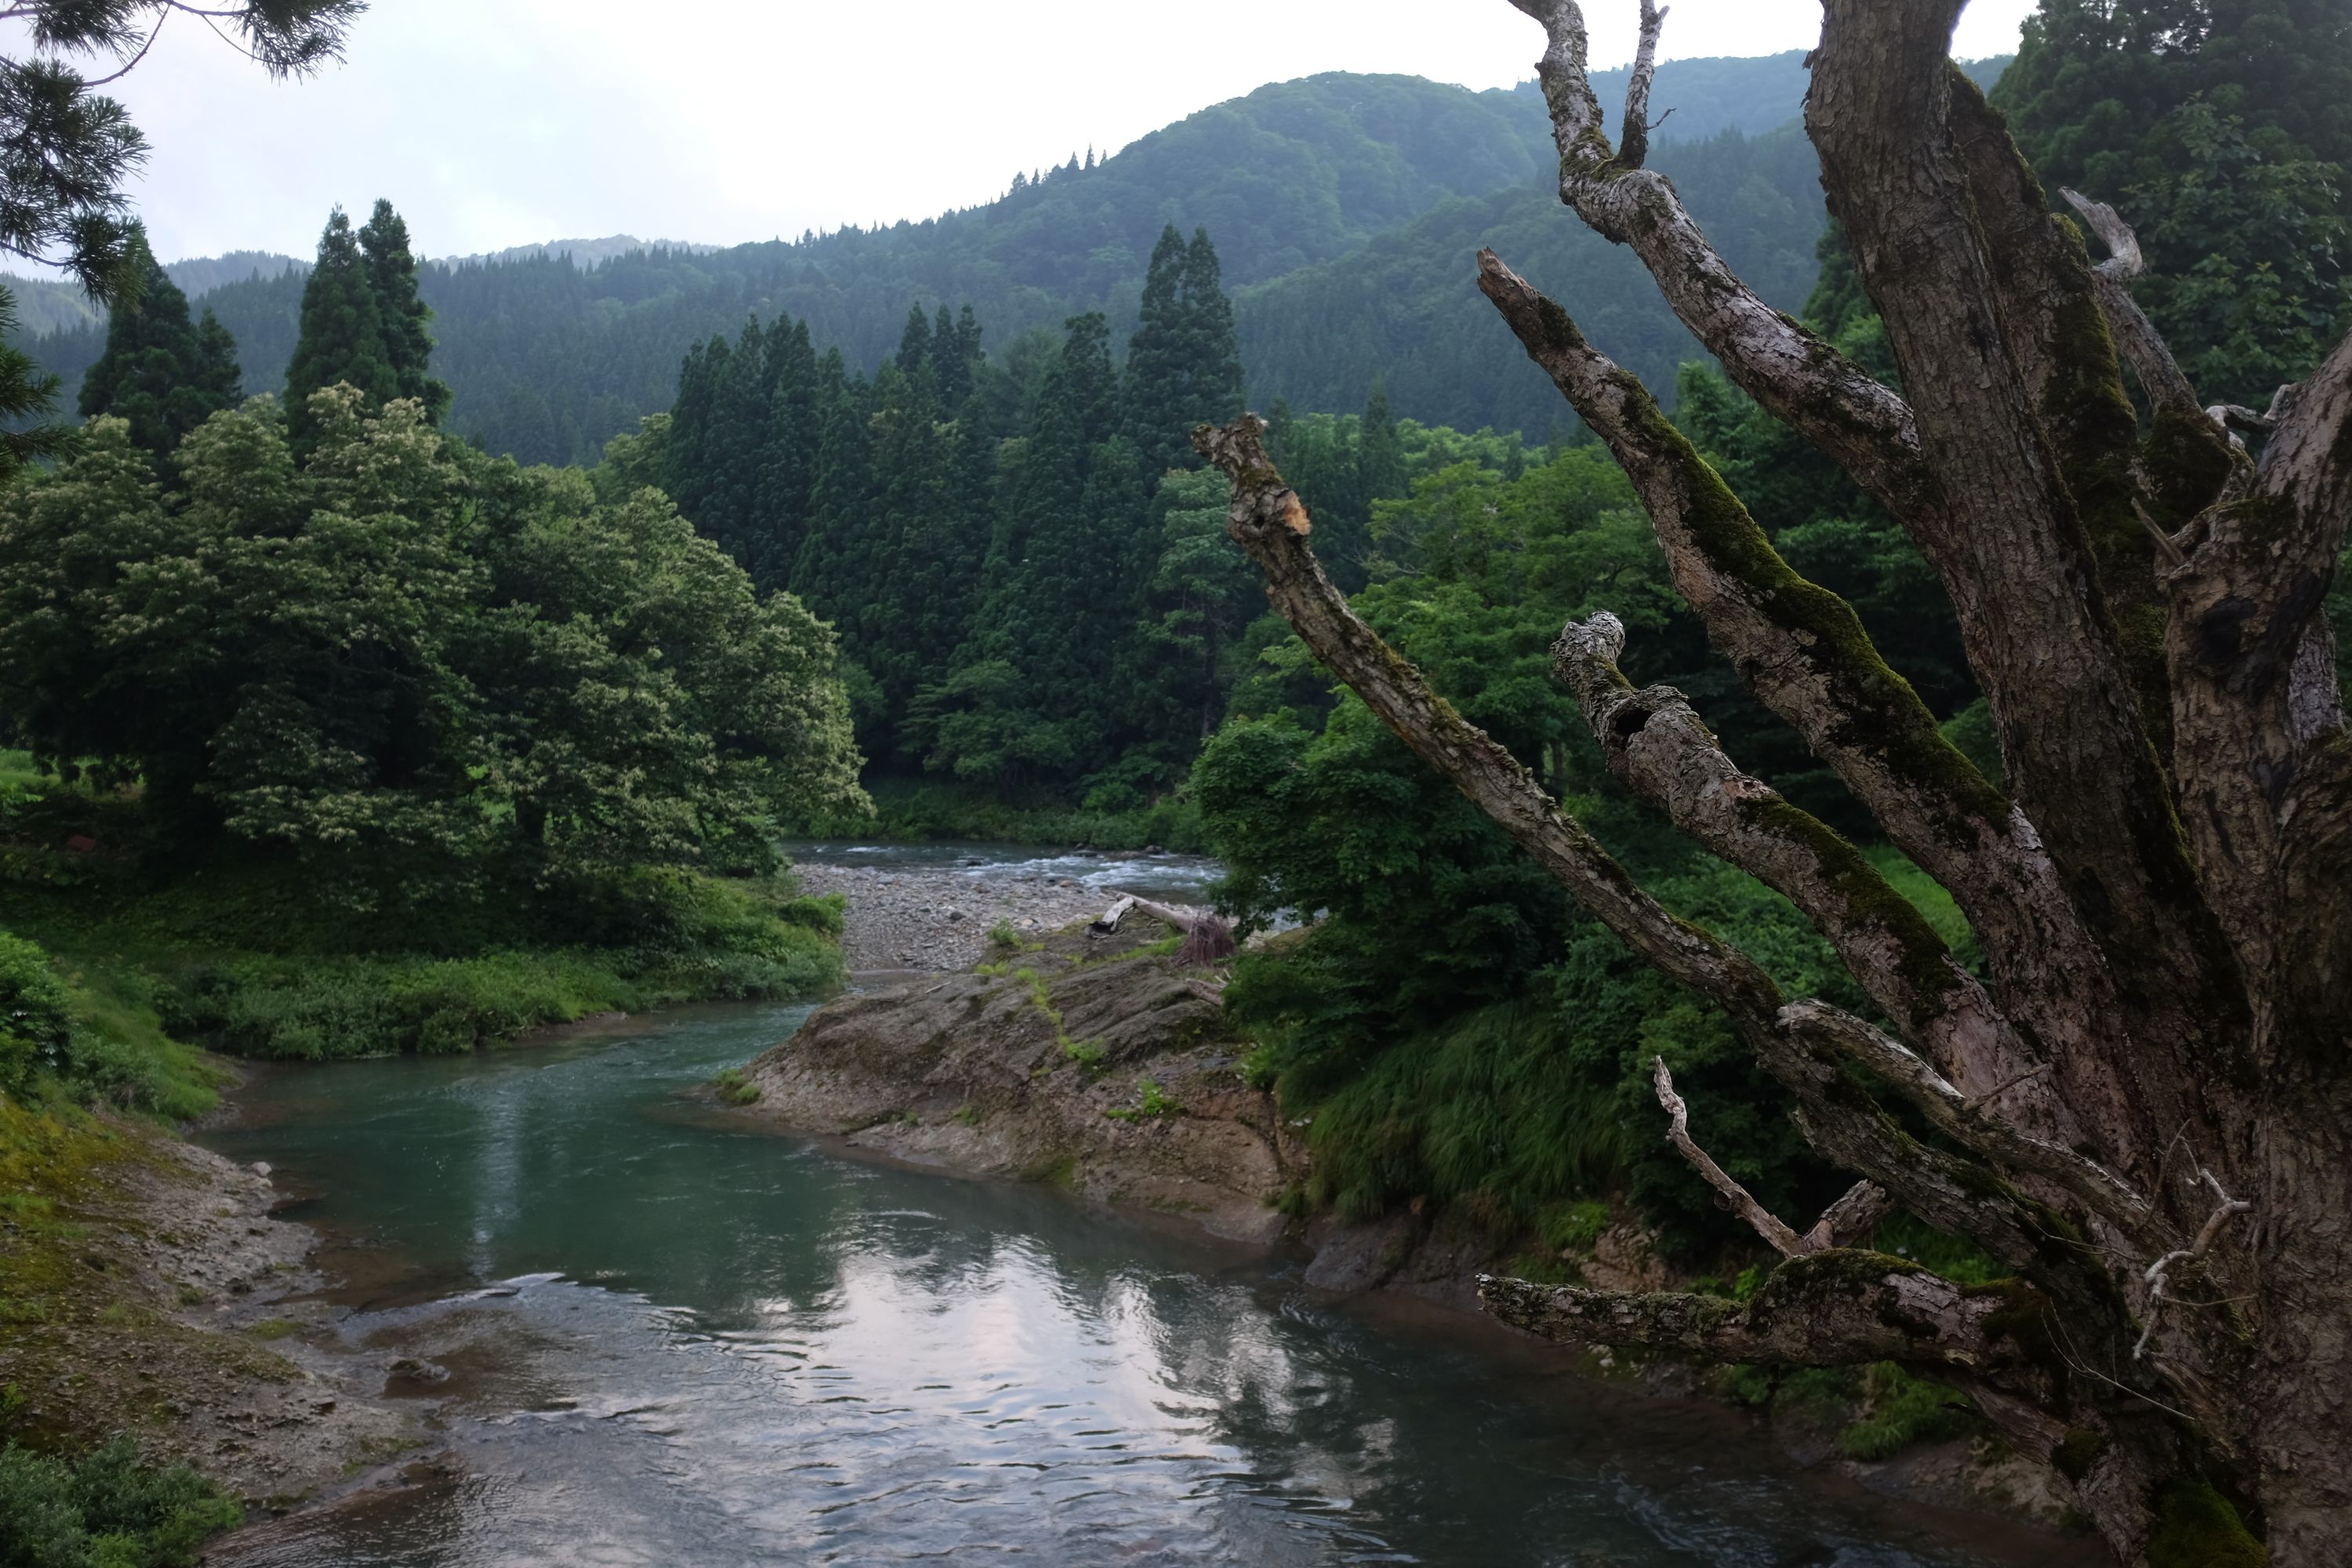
108 1511
35 1022
1904 1410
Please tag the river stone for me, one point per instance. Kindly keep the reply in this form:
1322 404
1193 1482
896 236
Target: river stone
966 1071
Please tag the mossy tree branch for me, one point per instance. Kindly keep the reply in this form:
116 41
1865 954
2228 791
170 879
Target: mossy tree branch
1655 745
1838 1308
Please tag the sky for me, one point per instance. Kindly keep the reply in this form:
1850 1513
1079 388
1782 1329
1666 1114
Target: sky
497 122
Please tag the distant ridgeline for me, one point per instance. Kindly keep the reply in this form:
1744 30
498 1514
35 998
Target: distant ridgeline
1345 209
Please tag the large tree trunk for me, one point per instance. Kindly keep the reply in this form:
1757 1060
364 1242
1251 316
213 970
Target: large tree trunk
2144 1106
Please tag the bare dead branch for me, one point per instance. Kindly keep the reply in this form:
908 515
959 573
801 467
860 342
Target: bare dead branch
1658 747
2135 336
2124 261
1737 1198
1805 656
1846 1222
2159 1273
1829 1309
1634 140
1862 424
1271 524
1972 1123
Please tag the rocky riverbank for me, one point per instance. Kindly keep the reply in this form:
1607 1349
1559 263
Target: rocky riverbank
149 1291
1087 1058
939 920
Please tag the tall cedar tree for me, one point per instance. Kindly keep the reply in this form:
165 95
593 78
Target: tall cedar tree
160 371
342 340
1183 368
401 311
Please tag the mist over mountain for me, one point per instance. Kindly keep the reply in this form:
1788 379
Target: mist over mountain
1345 209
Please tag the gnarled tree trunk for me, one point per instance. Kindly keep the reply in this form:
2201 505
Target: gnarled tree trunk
2144 1106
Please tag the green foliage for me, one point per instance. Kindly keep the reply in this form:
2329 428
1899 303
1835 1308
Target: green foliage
1454 1028
420 667
108 1510
72 1035
1183 368
343 342
915 810
400 314
733 1089
1152 1102
159 372
2220 131
1902 1411
551 356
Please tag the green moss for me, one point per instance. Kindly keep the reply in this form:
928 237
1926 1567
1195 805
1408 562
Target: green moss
1886 719
1928 969
2196 1527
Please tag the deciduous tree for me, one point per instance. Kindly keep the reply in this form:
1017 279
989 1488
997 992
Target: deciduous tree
2142 1107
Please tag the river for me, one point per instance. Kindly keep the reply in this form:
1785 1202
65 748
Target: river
676 1341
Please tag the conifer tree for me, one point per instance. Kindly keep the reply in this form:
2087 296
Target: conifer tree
343 339
159 371
1183 368
401 311
915 343
218 373
796 403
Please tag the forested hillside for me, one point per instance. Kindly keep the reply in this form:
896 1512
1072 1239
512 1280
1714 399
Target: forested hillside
1379 178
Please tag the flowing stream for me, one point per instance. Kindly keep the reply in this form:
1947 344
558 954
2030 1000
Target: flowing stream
674 1340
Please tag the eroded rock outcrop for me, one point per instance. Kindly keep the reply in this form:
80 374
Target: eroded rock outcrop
1088 1058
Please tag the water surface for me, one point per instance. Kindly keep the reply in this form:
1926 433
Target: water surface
674 1341
1179 876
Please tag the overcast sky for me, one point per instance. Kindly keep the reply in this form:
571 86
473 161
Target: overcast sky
499 122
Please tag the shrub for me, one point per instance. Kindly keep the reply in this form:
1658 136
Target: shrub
1904 1410
108 1511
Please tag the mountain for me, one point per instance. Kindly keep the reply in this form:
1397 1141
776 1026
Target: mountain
1344 208
586 252
45 305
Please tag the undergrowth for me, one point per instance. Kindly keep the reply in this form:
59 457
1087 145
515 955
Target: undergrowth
106 1510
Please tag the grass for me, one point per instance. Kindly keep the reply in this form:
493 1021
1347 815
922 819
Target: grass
734 1088
1152 1102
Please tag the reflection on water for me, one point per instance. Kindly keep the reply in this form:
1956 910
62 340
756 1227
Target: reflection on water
687 1344
1177 876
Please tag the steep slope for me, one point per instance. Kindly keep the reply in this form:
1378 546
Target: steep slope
1310 187
1405 306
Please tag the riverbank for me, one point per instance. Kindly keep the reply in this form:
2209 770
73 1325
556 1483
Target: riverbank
939 920
149 1290
1089 1059
1094 1062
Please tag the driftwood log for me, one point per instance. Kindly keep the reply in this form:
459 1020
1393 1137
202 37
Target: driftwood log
1208 938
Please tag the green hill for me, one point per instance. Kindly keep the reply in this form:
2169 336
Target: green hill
1344 208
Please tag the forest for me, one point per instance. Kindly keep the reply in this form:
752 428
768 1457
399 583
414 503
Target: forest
1346 202
396 655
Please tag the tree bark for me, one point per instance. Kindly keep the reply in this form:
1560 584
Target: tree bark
2145 1109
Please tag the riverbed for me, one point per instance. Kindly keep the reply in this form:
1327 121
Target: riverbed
661 1337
